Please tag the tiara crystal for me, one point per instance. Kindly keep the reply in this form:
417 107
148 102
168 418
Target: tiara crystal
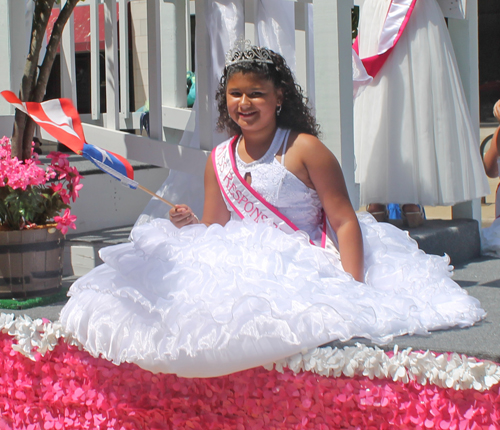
245 52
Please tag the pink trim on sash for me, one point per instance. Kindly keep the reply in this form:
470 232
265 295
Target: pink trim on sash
497 203
389 37
323 232
279 216
355 45
221 187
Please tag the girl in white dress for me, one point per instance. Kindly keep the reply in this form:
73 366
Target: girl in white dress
414 138
256 280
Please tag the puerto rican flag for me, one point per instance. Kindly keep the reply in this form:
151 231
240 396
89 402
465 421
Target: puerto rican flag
111 163
61 120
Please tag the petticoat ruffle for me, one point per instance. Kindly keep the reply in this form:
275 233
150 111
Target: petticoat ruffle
490 239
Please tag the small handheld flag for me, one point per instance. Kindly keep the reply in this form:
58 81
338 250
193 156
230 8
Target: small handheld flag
111 163
57 117
61 120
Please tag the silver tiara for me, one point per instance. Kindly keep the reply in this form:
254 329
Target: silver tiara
245 52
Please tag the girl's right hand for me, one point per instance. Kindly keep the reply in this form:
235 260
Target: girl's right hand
182 215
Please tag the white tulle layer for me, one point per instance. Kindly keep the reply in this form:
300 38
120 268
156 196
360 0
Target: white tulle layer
490 239
203 302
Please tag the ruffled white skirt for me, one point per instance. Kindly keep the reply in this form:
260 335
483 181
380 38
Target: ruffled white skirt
414 138
490 239
203 302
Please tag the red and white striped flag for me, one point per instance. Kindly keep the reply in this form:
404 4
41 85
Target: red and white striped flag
58 117
61 120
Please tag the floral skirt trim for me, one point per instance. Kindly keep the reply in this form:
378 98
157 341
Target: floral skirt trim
46 383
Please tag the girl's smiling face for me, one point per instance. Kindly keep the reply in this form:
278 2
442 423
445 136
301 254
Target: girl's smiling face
252 101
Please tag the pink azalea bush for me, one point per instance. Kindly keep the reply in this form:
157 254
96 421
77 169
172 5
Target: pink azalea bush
32 194
69 389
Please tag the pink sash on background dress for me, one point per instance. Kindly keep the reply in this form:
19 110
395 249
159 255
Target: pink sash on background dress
397 17
497 202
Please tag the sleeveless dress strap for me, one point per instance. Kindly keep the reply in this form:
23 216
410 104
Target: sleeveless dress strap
285 141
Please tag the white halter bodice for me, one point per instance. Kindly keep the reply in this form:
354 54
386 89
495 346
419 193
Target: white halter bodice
281 188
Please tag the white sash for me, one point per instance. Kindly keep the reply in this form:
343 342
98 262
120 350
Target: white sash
245 201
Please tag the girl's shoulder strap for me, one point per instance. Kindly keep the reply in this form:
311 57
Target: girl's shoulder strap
285 142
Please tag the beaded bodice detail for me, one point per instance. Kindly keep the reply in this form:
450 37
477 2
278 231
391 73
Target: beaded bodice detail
282 189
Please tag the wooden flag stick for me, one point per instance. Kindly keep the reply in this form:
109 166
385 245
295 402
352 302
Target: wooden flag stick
155 195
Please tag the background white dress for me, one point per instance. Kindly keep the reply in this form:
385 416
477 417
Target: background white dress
414 139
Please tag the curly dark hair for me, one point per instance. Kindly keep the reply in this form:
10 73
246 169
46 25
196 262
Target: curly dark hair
295 113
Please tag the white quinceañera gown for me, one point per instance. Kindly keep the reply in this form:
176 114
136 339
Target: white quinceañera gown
414 138
203 302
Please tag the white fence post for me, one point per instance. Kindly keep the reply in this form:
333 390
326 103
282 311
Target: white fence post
111 53
333 69
304 43
202 79
95 77
13 50
68 62
154 70
173 52
124 60
464 36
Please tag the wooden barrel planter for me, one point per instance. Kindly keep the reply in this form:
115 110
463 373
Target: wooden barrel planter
31 262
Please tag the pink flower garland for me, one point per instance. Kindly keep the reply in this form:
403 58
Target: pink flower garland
69 389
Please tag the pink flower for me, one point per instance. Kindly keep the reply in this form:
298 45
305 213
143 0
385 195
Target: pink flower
66 199
66 221
62 173
74 187
50 173
17 174
56 187
63 194
59 159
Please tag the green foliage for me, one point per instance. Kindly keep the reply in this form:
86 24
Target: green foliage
35 205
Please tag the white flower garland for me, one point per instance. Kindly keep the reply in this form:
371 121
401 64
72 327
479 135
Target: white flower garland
446 370
34 336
